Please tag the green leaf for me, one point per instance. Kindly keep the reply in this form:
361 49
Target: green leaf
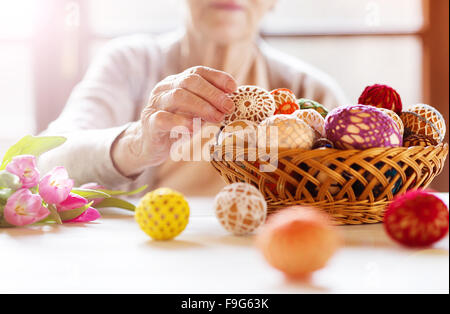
90 194
125 193
74 213
32 145
116 203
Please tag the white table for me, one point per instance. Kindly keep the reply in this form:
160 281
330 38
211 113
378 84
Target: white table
114 256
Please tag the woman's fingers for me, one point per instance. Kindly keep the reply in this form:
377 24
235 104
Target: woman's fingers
180 100
197 85
164 122
219 79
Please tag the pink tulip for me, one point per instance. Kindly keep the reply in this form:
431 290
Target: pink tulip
73 201
24 167
55 187
94 186
24 208
91 214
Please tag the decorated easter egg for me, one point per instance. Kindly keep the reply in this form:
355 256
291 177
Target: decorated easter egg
424 120
323 143
417 219
241 133
298 241
361 127
251 103
240 208
285 101
305 103
419 140
396 119
162 214
285 132
314 119
381 96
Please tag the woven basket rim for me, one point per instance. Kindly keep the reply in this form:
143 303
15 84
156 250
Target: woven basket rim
216 147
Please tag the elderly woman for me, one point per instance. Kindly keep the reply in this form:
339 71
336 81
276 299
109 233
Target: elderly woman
118 119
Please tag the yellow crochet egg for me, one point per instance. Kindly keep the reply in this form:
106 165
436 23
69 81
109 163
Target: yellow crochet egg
162 214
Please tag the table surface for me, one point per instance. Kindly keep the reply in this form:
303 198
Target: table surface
113 255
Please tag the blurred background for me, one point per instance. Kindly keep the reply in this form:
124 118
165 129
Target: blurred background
46 46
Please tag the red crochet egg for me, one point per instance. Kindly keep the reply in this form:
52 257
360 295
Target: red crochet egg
298 241
417 219
382 96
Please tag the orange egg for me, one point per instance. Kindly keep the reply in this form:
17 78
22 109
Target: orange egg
298 241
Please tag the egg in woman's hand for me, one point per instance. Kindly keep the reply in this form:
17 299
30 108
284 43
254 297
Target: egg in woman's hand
424 120
162 214
362 127
298 241
251 103
285 132
240 208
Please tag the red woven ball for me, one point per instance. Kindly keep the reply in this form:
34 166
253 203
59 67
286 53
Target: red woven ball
381 96
417 219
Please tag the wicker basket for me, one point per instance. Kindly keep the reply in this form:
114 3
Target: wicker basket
353 186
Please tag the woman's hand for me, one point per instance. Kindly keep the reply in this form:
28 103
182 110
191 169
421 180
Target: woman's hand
199 92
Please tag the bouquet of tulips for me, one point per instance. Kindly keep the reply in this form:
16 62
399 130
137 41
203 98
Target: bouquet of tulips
27 198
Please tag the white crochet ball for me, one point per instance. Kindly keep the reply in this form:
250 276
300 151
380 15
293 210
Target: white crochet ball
312 118
240 208
285 132
252 103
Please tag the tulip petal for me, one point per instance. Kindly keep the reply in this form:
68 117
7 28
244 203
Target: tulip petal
73 201
91 214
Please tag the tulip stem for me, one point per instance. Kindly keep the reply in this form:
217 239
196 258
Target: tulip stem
54 214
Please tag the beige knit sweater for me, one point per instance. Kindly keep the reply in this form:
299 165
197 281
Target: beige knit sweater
116 88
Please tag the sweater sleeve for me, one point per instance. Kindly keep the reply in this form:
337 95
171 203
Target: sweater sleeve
99 109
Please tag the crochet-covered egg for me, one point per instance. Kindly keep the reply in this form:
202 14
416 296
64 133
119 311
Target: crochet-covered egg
162 214
240 133
417 219
419 140
298 241
314 119
381 96
305 103
424 120
361 127
240 208
396 119
251 103
285 101
285 132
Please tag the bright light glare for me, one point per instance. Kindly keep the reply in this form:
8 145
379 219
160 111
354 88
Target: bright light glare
17 18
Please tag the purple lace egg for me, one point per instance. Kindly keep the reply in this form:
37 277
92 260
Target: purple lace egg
362 127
